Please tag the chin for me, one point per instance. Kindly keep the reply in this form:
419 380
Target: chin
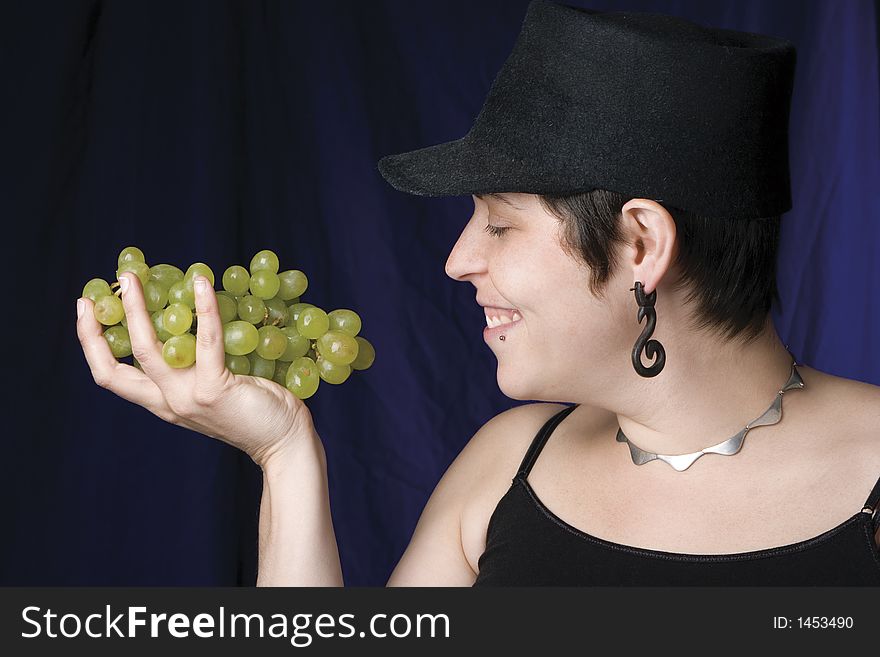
516 385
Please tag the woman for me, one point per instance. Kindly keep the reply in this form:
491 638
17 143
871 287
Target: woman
688 125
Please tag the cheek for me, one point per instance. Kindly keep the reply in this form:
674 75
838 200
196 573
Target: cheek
514 276
567 319
553 292
569 326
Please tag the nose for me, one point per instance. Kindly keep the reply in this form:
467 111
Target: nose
468 255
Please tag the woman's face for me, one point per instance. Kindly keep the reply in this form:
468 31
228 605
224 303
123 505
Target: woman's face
537 297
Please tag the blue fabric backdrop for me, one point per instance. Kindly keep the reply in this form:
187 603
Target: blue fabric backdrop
209 130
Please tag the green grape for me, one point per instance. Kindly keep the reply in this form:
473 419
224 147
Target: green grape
228 308
366 354
177 318
297 345
165 275
236 280
302 378
337 347
120 343
158 319
272 342
96 288
261 367
240 337
293 302
198 269
251 309
280 376
279 315
130 254
108 310
312 323
347 321
155 296
139 269
179 293
124 321
238 364
264 284
331 372
293 284
264 261
295 309
180 350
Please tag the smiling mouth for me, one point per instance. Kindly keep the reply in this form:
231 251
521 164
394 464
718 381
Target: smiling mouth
501 316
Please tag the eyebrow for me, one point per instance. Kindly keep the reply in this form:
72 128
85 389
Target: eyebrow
501 199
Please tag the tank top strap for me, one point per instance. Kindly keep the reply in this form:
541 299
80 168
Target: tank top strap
872 504
539 441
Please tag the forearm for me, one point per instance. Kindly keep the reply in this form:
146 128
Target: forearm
297 543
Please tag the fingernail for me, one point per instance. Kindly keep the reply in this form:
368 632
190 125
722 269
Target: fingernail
200 283
80 306
123 284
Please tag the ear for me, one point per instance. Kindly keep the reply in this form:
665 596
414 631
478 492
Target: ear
650 231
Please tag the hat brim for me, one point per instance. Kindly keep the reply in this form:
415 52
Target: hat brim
453 168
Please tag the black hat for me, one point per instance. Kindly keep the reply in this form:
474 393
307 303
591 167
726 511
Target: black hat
646 105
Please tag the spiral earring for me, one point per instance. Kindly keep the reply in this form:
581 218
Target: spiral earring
652 348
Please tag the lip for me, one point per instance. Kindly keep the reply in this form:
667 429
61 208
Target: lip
495 332
486 304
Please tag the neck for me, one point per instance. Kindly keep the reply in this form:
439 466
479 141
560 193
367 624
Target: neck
706 393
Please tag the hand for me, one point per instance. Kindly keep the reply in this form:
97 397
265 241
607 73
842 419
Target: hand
256 415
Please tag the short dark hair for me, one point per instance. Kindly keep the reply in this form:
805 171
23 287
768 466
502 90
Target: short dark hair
727 266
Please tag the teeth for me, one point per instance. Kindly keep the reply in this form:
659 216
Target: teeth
493 321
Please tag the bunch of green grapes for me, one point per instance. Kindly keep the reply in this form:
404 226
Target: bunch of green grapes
268 331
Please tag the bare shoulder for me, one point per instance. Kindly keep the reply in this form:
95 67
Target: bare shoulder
488 462
444 548
852 405
502 441
853 411
842 417
491 459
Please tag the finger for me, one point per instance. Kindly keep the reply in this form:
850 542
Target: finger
124 380
145 346
210 354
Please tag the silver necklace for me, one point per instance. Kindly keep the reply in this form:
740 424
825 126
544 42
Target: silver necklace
728 447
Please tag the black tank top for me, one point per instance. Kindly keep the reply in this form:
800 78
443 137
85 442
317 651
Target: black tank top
528 545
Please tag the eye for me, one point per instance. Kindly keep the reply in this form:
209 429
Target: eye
496 231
